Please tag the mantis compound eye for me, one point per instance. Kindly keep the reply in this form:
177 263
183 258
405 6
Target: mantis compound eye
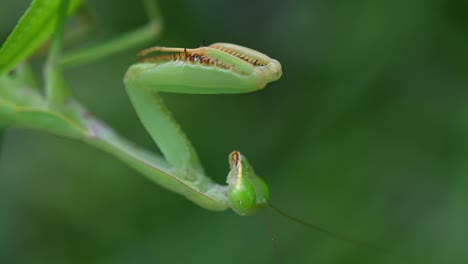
247 192
242 197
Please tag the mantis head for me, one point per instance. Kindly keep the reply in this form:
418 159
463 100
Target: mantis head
247 192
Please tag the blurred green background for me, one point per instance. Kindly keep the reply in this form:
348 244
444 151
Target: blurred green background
366 134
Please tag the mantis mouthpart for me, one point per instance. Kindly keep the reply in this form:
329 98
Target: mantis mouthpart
220 68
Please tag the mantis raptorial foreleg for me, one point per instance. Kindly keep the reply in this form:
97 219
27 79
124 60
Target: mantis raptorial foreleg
136 37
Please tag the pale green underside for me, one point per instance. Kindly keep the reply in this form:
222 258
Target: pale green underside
181 77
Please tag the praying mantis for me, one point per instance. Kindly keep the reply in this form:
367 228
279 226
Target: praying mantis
218 68
214 69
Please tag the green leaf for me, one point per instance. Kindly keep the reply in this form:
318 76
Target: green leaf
31 31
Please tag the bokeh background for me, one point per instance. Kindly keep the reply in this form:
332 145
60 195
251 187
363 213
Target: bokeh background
366 134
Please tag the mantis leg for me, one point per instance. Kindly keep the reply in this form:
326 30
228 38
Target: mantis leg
129 40
186 175
165 131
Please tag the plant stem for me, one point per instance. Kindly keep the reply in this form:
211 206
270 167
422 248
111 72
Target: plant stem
56 88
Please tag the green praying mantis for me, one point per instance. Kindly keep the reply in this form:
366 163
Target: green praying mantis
220 68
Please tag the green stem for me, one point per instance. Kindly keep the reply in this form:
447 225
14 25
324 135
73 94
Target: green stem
56 89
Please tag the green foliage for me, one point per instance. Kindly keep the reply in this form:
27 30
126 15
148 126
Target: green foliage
32 30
